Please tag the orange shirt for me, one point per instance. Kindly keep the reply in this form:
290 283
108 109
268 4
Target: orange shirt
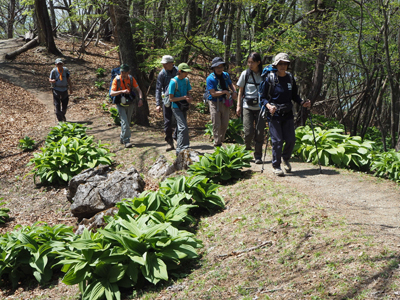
124 84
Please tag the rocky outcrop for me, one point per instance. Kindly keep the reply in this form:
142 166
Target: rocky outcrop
95 190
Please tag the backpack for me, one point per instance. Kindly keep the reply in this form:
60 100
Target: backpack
269 74
166 101
207 96
115 73
246 79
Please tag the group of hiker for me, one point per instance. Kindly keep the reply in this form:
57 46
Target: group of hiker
264 94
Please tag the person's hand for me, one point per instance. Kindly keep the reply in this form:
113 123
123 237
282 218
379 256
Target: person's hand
158 108
271 108
238 111
307 103
52 80
126 91
189 99
140 103
234 96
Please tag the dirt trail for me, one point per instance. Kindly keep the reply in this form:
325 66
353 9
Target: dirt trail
367 203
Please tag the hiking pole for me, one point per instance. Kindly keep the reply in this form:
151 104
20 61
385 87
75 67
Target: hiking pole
265 151
315 141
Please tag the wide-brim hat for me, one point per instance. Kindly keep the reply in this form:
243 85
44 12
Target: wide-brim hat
59 61
184 67
281 57
166 59
216 62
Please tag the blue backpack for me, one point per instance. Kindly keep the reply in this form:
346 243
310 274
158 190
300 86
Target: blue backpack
114 73
269 75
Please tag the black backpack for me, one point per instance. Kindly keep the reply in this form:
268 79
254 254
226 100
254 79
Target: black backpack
117 99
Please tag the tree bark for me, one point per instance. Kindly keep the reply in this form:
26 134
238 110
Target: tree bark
45 31
128 56
33 43
11 19
53 18
228 39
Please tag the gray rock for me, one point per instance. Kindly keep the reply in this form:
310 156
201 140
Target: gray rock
161 168
102 192
95 222
186 158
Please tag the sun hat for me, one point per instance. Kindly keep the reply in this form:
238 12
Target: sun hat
216 62
124 68
166 59
59 61
281 57
184 67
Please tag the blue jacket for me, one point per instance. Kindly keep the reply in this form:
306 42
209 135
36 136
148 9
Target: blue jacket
213 83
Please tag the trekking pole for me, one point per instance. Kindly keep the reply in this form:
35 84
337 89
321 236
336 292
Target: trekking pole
315 141
260 115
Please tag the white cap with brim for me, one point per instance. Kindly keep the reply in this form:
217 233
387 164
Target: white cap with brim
281 57
166 59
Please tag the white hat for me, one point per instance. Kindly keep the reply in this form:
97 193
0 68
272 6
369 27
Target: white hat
166 59
281 57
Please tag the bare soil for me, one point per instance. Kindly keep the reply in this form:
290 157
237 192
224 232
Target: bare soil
365 206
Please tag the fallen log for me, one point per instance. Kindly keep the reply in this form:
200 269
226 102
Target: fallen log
33 43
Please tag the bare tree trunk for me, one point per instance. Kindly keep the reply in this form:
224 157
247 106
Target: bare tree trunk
228 39
191 22
238 36
11 19
44 27
222 20
53 18
128 55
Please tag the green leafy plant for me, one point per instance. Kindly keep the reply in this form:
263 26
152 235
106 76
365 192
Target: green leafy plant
386 165
99 84
233 133
115 115
325 123
31 251
100 72
66 130
26 144
334 148
201 107
222 165
4 217
60 161
104 107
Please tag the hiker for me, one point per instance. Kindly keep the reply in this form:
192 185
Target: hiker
122 89
218 84
164 77
248 84
60 82
278 101
180 98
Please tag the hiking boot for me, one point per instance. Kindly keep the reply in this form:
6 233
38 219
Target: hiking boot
258 161
128 145
64 119
171 145
278 172
287 166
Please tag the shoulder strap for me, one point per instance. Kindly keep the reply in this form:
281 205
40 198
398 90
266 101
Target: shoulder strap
176 84
118 82
131 78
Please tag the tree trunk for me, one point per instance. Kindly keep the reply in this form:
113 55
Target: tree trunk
33 43
228 39
191 22
128 56
222 20
238 34
53 18
45 31
11 19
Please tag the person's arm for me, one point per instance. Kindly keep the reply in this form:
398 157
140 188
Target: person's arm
239 102
264 99
51 78
116 93
159 90
296 97
234 93
139 91
69 85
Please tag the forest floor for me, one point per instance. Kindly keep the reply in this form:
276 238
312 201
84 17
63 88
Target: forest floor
307 235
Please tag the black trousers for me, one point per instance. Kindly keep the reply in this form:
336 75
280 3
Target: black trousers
168 123
60 100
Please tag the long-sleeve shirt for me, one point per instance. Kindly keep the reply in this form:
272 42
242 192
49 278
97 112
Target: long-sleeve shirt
163 79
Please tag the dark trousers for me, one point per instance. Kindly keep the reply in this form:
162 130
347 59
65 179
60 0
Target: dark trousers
281 130
168 123
253 130
60 100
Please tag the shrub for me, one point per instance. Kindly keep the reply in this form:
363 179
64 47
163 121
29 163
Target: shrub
233 133
334 148
115 115
222 165
99 84
201 107
4 217
26 144
60 161
386 165
325 123
66 129
100 72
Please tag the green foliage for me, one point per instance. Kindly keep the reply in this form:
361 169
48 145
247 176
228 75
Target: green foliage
375 135
325 123
201 107
100 72
203 192
334 148
124 250
26 144
65 129
60 161
31 251
233 133
115 115
386 165
104 107
99 84
4 217
222 165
